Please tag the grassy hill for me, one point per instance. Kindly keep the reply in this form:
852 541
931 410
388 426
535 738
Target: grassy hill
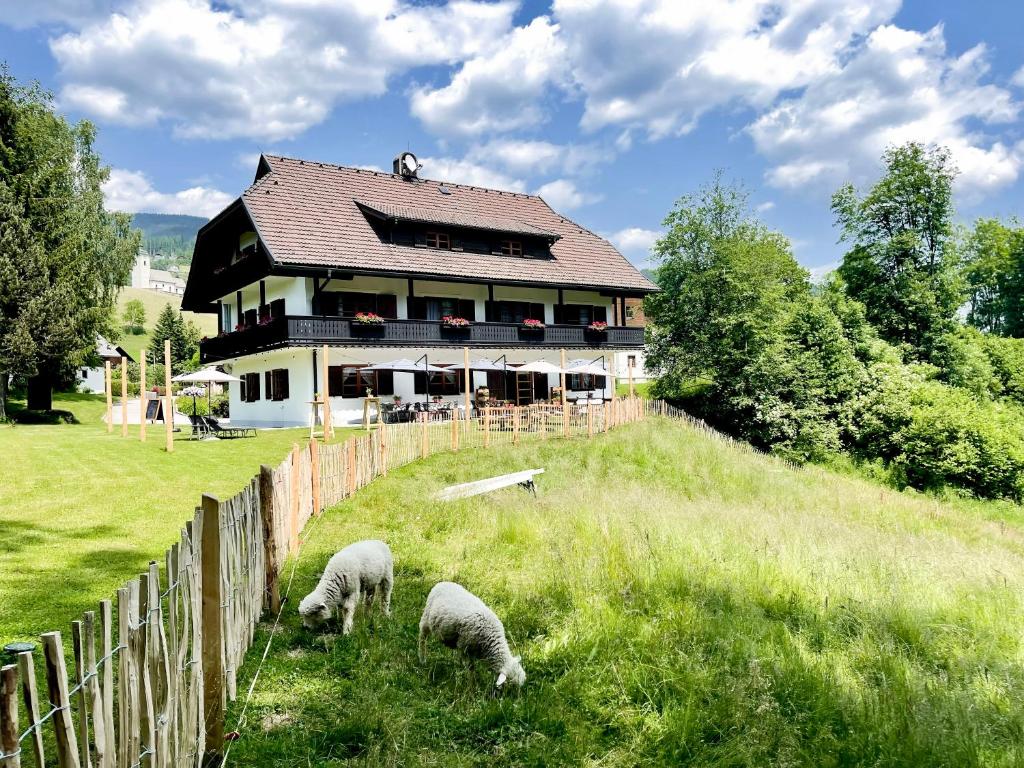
154 302
677 600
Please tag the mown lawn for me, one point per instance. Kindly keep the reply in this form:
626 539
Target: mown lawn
81 511
676 601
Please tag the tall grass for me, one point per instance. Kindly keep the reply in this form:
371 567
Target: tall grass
677 601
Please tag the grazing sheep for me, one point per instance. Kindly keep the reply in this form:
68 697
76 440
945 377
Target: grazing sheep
461 620
363 568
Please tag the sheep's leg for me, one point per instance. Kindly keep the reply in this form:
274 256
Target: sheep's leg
370 594
385 600
424 634
348 606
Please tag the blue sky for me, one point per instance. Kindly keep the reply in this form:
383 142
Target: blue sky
611 109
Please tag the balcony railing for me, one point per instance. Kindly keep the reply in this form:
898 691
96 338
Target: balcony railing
297 330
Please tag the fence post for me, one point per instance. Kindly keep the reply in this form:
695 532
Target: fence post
382 430
142 398
293 502
455 430
468 375
565 407
124 397
425 437
57 687
487 426
9 716
350 447
590 419
169 403
314 472
515 425
110 396
269 536
213 653
630 378
27 670
327 425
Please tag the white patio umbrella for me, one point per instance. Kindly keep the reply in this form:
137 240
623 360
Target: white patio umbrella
405 364
538 366
588 368
208 375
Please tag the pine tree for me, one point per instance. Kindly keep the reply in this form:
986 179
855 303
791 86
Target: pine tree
183 336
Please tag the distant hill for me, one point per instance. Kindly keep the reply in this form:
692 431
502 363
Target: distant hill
170 236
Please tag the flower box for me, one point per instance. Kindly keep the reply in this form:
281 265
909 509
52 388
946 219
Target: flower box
368 318
448 321
533 325
598 326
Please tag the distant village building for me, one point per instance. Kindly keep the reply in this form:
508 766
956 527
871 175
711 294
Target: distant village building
144 276
92 379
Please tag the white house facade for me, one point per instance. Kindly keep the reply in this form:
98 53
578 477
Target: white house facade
376 266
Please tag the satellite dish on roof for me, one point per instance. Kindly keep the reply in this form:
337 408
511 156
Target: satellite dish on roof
406 165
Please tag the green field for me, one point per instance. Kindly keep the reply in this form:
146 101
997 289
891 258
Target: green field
677 600
82 511
154 302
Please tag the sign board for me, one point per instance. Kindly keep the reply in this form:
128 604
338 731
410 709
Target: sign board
154 410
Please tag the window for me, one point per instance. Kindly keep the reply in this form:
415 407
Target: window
630 312
583 382
513 311
277 384
511 248
349 304
579 314
225 313
354 380
447 383
434 308
631 361
85 373
249 387
439 240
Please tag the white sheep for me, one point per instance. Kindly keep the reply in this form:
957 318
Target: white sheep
363 568
461 620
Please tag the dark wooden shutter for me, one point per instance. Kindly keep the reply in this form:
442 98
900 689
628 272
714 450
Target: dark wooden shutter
419 381
277 308
559 314
241 388
387 305
251 318
254 387
537 312
490 311
417 308
336 380
268 379
467 309
281 386
385 383
599 314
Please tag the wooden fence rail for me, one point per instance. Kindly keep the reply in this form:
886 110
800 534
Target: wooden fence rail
148 678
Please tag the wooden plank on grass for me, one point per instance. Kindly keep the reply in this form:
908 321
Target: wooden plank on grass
475 488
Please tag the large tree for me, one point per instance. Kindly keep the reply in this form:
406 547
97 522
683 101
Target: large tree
994 270
902 263
59 233
183 334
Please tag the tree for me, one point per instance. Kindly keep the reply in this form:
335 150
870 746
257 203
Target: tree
65 256
184 338
994 272
134 316
902 264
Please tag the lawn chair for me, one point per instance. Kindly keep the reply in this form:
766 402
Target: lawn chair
229 432
200 428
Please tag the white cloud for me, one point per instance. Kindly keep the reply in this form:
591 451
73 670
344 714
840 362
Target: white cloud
821 272
635 242
269 69
500 89
659 64
539 157
764 207
462 171
899 86
132 192
563 195
1018 79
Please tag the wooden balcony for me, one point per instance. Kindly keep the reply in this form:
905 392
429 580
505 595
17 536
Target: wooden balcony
301 331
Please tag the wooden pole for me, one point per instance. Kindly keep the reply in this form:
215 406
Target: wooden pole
515 425
487 426
425 436
630 366
469 378
9 716
26 668
169 398
142 398
124 397
326 388
270 543
110 396
455 429
213 657
314 471
57 688
590 419
565 408
293 502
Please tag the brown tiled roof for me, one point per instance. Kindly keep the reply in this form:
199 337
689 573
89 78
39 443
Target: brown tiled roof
307 214
453 218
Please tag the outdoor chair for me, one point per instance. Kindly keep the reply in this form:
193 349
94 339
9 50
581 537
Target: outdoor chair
229 432
200 429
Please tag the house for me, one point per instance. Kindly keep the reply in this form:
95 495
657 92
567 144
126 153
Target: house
633 359
144 276
312 250
93 378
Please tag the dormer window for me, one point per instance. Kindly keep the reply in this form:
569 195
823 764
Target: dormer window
511 248
439 240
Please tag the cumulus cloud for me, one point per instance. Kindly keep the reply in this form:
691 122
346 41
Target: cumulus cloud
268 69
635 242
463 171
764 207
900 86
539 157
1018 79
499 90
564 195
132 192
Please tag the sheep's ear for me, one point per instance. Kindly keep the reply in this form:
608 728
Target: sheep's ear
501 680
322 607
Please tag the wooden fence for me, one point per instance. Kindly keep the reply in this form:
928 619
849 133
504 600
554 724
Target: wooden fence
149 686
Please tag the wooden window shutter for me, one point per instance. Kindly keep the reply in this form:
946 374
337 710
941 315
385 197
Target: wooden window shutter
467 309
537 312
277 308
387 305
599 314
559 314
268 379
241 389
254 387
490 312
417 308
